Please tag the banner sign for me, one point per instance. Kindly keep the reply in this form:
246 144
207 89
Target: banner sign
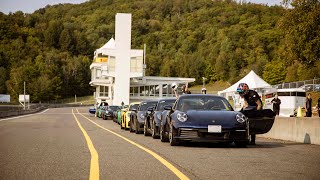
21 98
4 98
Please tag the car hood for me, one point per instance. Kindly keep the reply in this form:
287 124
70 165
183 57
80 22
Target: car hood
225 118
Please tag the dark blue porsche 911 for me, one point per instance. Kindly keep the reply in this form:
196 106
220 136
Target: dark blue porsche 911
203 118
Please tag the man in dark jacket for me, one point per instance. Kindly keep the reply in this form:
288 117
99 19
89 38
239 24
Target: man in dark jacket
276 104
251 98
309 106
318 106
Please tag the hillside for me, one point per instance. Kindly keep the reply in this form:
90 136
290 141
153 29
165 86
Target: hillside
52 48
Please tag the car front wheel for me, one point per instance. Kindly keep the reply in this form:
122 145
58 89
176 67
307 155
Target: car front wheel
172 134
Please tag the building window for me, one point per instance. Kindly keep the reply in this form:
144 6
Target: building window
156 89
104 91
112 63
98 74
167 91
131 91
136 64
142 92
147 90
136 91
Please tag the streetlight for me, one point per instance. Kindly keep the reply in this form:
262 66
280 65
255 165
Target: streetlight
204 81
204 90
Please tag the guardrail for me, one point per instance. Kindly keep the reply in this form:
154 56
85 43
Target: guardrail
16 110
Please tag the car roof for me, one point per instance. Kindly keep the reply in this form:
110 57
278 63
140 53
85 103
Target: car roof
164 99
200 95
148 102
134 103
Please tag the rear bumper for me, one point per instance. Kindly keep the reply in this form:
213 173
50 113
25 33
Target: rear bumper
202 135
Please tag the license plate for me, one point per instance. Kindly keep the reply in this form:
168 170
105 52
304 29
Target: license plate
214 128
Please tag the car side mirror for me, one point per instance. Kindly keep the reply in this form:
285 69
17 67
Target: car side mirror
150 108
167 107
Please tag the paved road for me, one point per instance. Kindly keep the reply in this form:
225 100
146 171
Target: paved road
58 144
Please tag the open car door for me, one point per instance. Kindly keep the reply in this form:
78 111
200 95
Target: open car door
261 121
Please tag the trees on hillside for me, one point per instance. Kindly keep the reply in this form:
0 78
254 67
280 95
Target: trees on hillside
52 48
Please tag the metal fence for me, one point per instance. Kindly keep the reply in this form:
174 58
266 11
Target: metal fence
308 85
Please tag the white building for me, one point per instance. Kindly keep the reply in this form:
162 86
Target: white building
117 71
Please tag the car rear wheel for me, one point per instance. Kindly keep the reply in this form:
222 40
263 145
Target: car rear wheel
172 134
145 129
125 125
154 134
131 129
163 137
137 127
121 124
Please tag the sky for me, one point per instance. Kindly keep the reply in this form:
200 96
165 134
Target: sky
29 6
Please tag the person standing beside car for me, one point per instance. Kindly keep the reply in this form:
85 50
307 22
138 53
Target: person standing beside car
276 104
309 106
318 106
251 98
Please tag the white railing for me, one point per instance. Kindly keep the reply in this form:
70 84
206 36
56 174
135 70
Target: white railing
308 85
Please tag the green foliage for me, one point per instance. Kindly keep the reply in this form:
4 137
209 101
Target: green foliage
52 48
301 27
274 72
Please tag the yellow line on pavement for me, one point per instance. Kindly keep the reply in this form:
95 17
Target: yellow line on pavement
155 155
94 163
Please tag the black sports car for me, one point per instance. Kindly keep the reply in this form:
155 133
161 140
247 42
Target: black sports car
109 113
203 118
137 116
153 117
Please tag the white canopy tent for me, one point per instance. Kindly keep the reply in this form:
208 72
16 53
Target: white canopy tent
110 45
254 82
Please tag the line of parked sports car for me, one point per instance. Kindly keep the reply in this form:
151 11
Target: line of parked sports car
195 117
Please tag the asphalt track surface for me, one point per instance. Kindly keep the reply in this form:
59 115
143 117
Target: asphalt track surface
69 143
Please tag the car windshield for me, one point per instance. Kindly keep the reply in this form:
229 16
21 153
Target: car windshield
134 106
144 106
203 103
163 103
114 108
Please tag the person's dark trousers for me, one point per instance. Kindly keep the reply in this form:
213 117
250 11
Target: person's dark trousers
319 112
309 113
253 139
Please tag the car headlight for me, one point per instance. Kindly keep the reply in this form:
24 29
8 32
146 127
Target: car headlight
159 115
181 116
142 116
241 118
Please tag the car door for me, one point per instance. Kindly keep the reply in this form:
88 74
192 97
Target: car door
260 121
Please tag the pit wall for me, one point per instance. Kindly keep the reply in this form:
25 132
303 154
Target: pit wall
305 129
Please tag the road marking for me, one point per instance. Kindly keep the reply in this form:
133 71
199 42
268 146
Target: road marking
155 155
94 163
6 119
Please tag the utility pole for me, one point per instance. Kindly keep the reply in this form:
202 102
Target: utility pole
144 59
24 95
204 81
